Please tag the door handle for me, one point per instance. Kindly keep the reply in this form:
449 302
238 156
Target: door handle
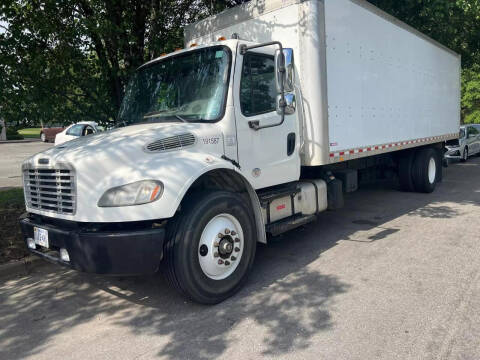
290 144
254 124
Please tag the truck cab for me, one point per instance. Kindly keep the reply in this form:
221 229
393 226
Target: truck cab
200 132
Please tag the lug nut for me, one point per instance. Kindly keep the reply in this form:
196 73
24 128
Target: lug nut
215 254
237 240
216 244
227 231
237 249
233 258
220 235
220 262
227 263
233 233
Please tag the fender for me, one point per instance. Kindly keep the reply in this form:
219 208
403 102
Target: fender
216 163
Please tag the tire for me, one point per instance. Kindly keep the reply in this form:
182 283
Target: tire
43 137
193 250
405 171
465 155
425 170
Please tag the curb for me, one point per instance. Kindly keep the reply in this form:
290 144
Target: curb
19 141
17 267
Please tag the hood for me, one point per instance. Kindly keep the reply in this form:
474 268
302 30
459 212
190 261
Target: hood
453 143
121 156
128 143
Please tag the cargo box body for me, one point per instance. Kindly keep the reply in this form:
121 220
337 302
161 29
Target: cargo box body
367 83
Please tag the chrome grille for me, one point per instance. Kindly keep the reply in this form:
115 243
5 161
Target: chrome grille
170 143
50 189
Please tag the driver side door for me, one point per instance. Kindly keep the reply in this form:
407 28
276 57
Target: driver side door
267 156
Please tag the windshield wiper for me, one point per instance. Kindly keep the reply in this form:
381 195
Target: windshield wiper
155 113
160 112
181 118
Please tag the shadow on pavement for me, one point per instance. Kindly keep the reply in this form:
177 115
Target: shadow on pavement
285 296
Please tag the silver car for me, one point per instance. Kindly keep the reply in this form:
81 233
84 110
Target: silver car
467 144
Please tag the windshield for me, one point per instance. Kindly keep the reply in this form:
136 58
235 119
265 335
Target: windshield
188 87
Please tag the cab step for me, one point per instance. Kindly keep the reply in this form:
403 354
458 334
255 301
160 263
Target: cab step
289 223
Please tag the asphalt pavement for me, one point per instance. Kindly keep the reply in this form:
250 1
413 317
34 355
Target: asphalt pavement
391 276
11 158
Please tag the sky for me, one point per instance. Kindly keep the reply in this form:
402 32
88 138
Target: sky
3 23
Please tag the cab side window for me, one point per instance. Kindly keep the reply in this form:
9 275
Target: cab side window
75 130
257 86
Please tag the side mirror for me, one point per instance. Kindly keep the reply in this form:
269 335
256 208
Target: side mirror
285 70
287 104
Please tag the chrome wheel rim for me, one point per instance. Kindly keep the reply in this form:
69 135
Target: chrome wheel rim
432 170
42 137
221 247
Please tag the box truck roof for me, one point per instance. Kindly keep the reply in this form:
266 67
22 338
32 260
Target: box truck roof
255 8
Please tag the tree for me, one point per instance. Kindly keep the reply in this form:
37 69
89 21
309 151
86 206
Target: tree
471 95
68 60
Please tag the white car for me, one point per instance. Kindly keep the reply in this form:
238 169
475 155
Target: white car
467 144
77 130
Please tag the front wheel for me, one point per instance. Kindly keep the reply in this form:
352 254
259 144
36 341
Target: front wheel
465 155
211 246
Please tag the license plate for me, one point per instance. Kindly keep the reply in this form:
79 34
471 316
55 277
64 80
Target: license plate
40 236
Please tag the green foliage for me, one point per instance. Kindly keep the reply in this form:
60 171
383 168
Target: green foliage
471 95
11 197
63 61
12 134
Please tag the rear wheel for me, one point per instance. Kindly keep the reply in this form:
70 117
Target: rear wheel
43 137
426 170
405 168
211 246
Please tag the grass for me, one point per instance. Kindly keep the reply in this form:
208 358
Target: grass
11 197
12 245
30 132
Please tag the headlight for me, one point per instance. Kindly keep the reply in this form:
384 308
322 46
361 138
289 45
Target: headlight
140 192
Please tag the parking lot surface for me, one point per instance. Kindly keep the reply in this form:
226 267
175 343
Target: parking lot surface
391 276
11 158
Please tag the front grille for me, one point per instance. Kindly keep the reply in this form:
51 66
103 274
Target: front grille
170 143
50 189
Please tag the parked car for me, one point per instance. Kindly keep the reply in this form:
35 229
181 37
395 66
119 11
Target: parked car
48 133
467 144
74 131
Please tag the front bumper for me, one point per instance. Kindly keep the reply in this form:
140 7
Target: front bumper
453 153
115 252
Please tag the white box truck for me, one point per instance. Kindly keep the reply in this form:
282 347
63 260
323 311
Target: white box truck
268 116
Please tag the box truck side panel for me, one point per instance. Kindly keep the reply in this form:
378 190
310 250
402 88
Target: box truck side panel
386 84
252 21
